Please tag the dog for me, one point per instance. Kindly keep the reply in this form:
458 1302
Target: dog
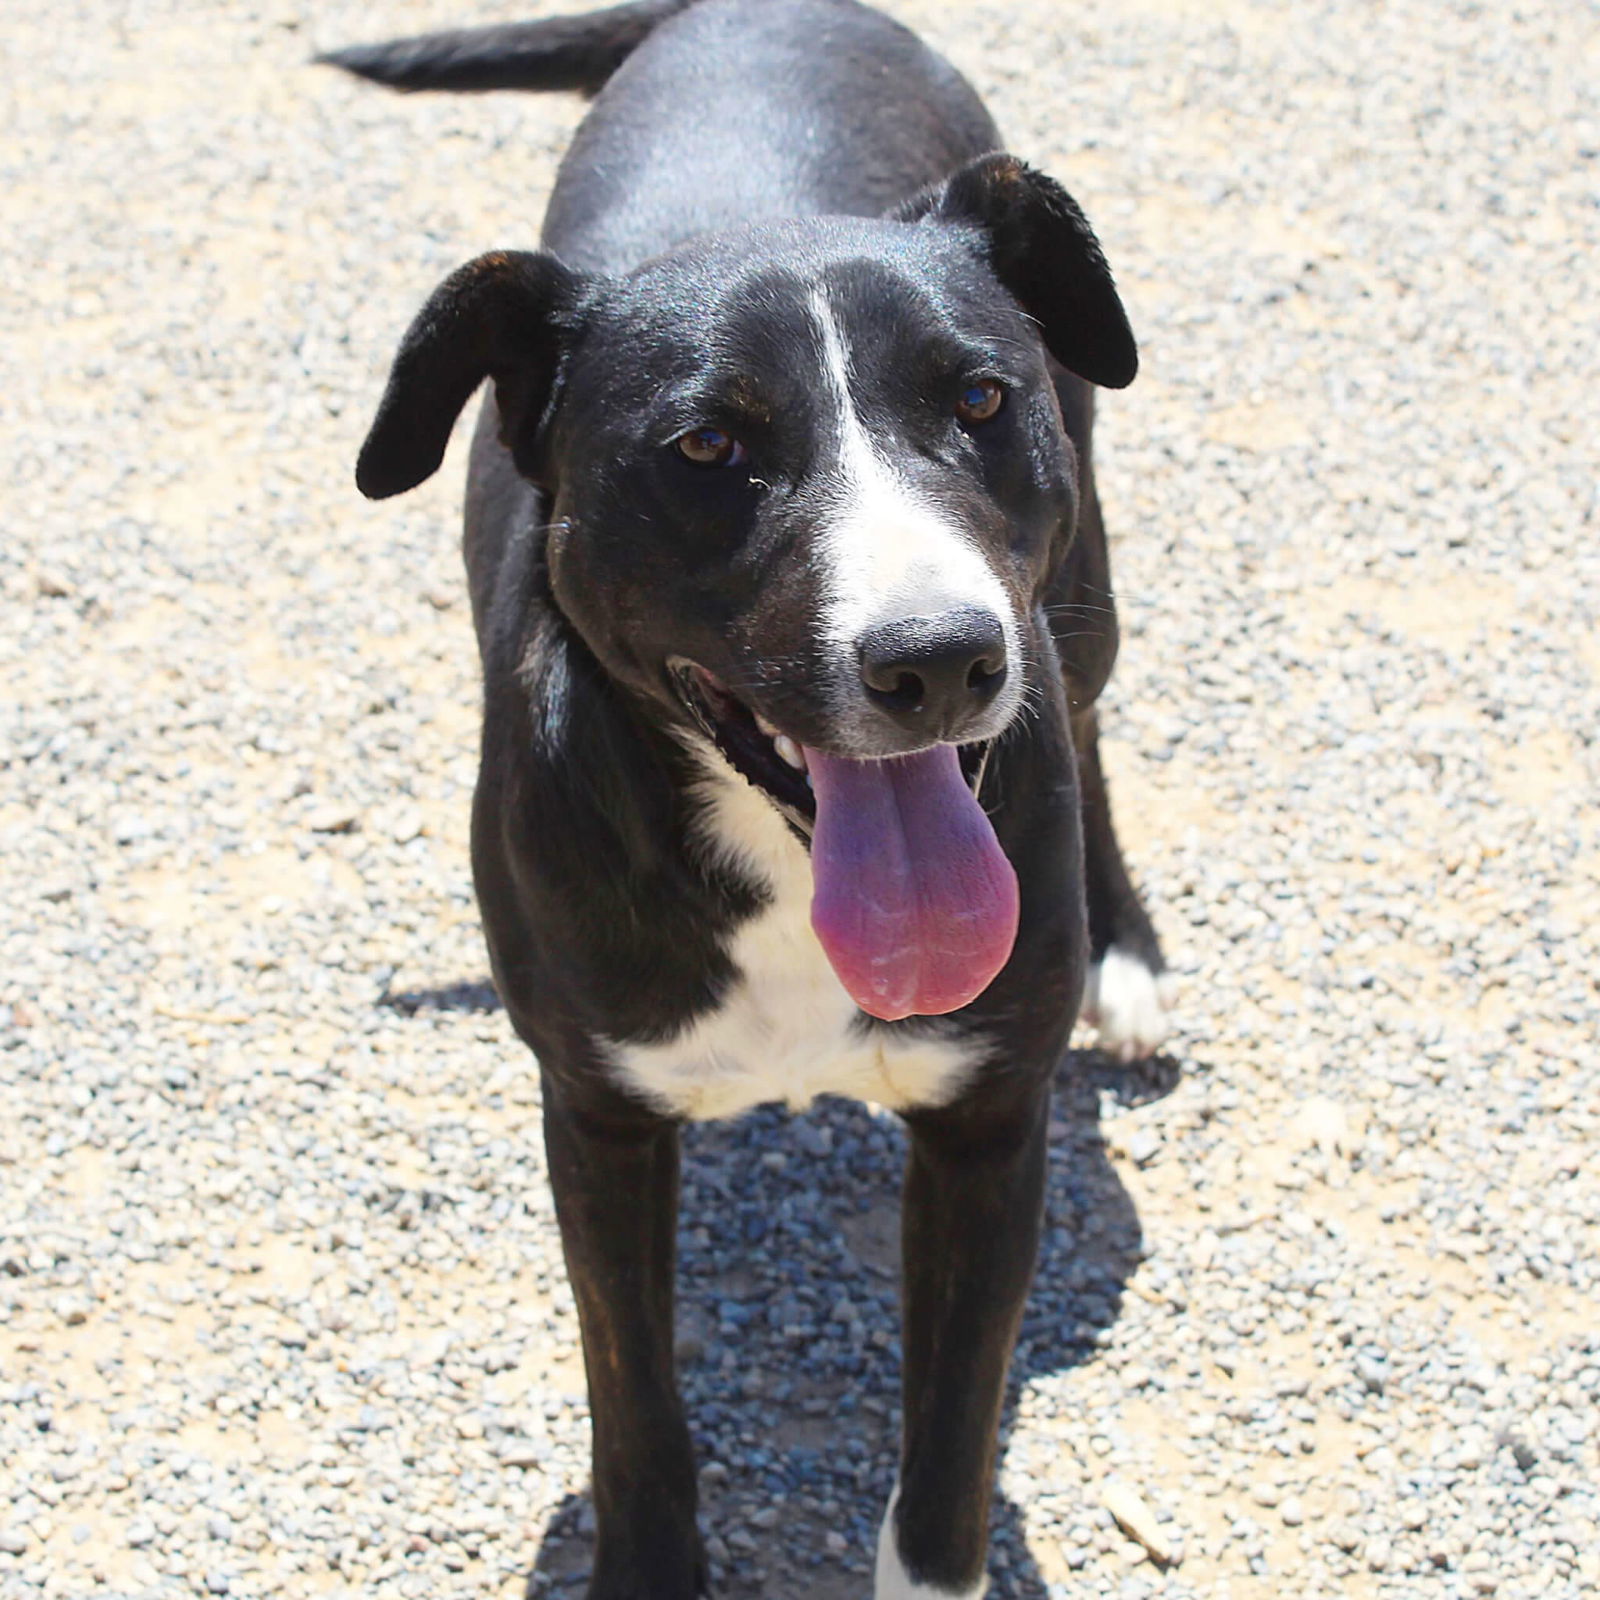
792 596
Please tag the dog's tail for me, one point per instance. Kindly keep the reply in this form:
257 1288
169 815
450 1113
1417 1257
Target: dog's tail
578 52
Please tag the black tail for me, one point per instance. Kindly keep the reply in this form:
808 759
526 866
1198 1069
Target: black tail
553 53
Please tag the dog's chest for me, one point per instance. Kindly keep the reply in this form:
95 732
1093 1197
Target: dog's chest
785 1030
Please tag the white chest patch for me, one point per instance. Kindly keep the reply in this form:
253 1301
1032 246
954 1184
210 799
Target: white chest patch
786 1028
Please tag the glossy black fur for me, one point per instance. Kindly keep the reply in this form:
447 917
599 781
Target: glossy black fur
594 557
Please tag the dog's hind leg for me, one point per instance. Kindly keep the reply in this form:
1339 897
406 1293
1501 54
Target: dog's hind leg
974 1197
614 1170
1125 995
1127 987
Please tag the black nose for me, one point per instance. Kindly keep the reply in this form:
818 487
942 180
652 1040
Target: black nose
935 674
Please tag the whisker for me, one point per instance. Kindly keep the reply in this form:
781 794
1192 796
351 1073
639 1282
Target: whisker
1078 605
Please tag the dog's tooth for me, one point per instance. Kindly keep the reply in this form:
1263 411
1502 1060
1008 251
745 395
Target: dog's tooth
765 726
790 751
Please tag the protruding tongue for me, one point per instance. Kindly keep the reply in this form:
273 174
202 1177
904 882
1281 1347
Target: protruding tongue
914 900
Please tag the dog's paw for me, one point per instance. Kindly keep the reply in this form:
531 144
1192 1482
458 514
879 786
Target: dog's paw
893 1582
1126 1003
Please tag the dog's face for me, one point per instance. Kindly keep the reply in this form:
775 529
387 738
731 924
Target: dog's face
806 481
810 480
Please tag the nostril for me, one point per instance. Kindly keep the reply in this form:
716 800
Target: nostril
905 692
985 674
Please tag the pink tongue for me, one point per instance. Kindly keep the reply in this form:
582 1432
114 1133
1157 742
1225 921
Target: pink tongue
914 902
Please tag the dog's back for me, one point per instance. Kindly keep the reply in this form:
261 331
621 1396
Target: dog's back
690 137
714 115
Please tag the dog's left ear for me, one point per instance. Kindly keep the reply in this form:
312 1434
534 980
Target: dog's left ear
501 317
1043 250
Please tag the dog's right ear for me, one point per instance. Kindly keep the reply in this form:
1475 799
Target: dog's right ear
502 316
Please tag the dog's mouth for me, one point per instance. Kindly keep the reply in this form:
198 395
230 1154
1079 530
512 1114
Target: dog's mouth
915 903
771 760
752 746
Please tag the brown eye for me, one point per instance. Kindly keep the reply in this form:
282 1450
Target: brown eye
711 447
980 400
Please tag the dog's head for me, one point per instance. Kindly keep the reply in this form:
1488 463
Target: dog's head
806 482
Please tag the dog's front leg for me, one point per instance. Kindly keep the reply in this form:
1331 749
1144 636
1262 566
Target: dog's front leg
974 1197
614 1170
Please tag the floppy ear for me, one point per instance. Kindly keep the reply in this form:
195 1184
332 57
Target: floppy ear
1043 250
498 317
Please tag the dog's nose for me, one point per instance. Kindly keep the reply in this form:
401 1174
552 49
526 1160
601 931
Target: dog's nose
935 674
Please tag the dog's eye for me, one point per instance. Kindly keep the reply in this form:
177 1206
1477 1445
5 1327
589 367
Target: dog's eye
980 400
711 447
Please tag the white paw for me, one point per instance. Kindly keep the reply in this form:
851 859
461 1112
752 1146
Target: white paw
1127 1004
893 1582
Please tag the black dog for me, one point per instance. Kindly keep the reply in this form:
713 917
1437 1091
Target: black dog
792 595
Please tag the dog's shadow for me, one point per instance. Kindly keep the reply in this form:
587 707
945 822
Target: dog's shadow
788 1334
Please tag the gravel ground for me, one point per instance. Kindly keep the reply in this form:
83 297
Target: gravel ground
281 1308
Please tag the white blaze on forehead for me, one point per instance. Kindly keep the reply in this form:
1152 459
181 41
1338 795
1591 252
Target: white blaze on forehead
887 551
